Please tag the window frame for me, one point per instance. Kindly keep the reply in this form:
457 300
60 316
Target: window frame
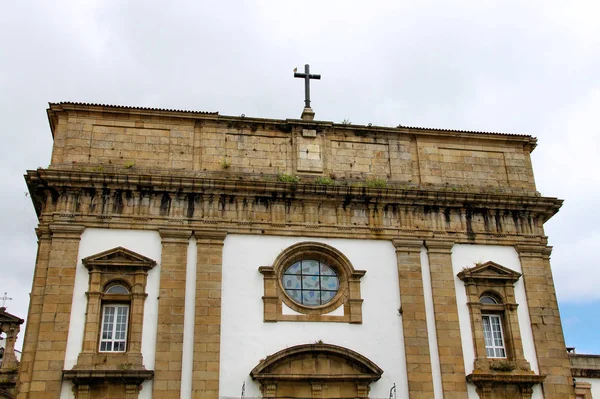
113 340
302 289
493 347
348 294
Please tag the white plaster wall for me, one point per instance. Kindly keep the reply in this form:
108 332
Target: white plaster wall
595 385
464 255
93 241
246 339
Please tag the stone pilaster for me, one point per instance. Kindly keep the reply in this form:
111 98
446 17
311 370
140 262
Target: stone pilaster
414 323
53 300
548 336
207 325
35 311
171 303
446 319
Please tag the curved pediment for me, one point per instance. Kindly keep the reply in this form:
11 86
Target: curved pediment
313 362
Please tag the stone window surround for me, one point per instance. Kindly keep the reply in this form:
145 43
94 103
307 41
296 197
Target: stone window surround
492 279
115 266
348 294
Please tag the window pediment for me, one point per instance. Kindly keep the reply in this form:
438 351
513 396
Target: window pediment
8 318
489 271
316 362
118 257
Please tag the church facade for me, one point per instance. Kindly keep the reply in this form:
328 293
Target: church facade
195 255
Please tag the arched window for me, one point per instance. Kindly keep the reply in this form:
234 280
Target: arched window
488 300
115 319
492 328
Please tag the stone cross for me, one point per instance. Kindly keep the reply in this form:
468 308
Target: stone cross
4 299
307 77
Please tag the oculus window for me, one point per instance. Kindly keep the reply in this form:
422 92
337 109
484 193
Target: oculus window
310 282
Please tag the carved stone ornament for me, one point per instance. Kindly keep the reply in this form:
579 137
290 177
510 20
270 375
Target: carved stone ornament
312 367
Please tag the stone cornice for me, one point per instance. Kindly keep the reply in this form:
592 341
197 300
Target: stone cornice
56 109
268 207
424 196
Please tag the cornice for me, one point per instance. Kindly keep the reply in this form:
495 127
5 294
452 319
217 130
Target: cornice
54 109
216 204
432 196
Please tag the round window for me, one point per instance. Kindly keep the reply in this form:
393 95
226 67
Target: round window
310 282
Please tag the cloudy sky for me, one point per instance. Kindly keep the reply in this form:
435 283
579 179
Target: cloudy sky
520 67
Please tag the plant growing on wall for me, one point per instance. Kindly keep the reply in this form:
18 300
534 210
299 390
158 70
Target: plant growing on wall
285 178
324 180
376 183
225 164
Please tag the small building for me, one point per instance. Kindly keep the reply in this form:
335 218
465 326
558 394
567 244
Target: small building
9 357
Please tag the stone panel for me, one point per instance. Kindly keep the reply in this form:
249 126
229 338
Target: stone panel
207 325
249 153
55 313
446 319
367 158
553 360
414 323
171 303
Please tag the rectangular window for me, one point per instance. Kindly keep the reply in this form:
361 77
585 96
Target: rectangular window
492 332
113 337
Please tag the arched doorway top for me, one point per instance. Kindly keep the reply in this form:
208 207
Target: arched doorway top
317 362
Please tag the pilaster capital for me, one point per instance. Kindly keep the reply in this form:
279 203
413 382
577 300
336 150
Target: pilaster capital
533 251
407 245
175 235
43 232
439 247
66 231
214 237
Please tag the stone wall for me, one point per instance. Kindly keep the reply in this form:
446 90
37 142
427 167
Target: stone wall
92 138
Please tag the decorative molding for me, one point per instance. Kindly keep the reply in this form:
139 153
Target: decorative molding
156 200
118 257
297 365
348 293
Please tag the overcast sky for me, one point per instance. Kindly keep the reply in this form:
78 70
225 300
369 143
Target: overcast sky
520 67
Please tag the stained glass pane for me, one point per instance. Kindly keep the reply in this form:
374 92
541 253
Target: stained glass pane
327 296
310 267
296 295
310 282
330 283
291 282
311 298
327 271
296 268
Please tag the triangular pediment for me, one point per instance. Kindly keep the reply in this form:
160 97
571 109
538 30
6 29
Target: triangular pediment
489 271
118 257
316 362
6 317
